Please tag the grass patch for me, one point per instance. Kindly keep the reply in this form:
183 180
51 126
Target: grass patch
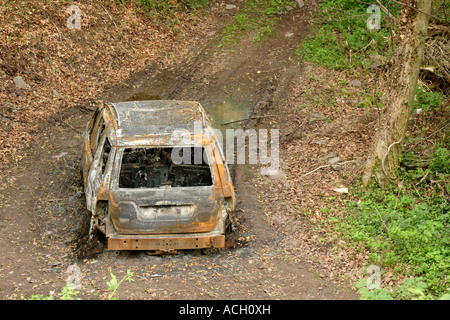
255 15
341 39
168 9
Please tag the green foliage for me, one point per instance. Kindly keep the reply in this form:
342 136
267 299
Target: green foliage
372 294
160 5
166 9
410 289
168 5
69 292
440 163
258 15
427 100
113 285
323 48
406 229
341 39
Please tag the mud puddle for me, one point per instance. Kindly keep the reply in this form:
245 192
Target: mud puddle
230 113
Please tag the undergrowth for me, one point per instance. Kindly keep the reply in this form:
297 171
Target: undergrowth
71 292
260 16
341 39
405 229
166 10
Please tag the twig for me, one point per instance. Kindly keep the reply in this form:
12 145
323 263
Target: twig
75 129
110 17
325 166
423 178
321 167
386 11
250 118
405 4
57 29
440 68
431 134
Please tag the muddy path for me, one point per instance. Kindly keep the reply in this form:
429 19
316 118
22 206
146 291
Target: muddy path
43 219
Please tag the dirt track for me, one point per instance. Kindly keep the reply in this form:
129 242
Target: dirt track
43 216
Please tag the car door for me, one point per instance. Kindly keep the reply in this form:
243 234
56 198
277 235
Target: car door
223 171
88 155
97 172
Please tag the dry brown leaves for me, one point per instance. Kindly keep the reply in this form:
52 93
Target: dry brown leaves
65 67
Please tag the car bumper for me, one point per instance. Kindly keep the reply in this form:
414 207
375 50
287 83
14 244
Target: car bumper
166 242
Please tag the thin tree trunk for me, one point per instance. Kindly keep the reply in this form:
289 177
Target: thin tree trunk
383 161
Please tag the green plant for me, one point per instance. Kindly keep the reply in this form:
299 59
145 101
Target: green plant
68 292
113 285
410 289
371 294
427 100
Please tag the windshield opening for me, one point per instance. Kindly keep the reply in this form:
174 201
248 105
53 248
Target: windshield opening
154 168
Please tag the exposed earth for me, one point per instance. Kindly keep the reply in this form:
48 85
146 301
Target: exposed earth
44 221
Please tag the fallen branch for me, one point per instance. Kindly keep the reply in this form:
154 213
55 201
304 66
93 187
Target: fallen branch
70 126
325 166
441 69
251 118
429 135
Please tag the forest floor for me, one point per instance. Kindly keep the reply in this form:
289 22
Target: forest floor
279 253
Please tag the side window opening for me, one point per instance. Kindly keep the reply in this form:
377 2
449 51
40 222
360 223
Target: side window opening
153 168
105 154
91 129
101 128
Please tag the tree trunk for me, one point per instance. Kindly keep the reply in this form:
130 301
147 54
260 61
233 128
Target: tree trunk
383 161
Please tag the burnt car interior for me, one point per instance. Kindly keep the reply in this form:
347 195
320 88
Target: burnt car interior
154 168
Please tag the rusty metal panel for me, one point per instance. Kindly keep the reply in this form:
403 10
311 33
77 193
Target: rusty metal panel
156 117
169 243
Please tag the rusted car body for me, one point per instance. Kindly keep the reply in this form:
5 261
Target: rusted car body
138 195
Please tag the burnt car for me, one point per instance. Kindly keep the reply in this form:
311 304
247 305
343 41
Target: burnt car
153 180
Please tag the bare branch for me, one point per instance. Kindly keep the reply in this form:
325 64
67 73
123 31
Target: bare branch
386 11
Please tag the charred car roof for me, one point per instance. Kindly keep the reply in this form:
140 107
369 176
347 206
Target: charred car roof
139 121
